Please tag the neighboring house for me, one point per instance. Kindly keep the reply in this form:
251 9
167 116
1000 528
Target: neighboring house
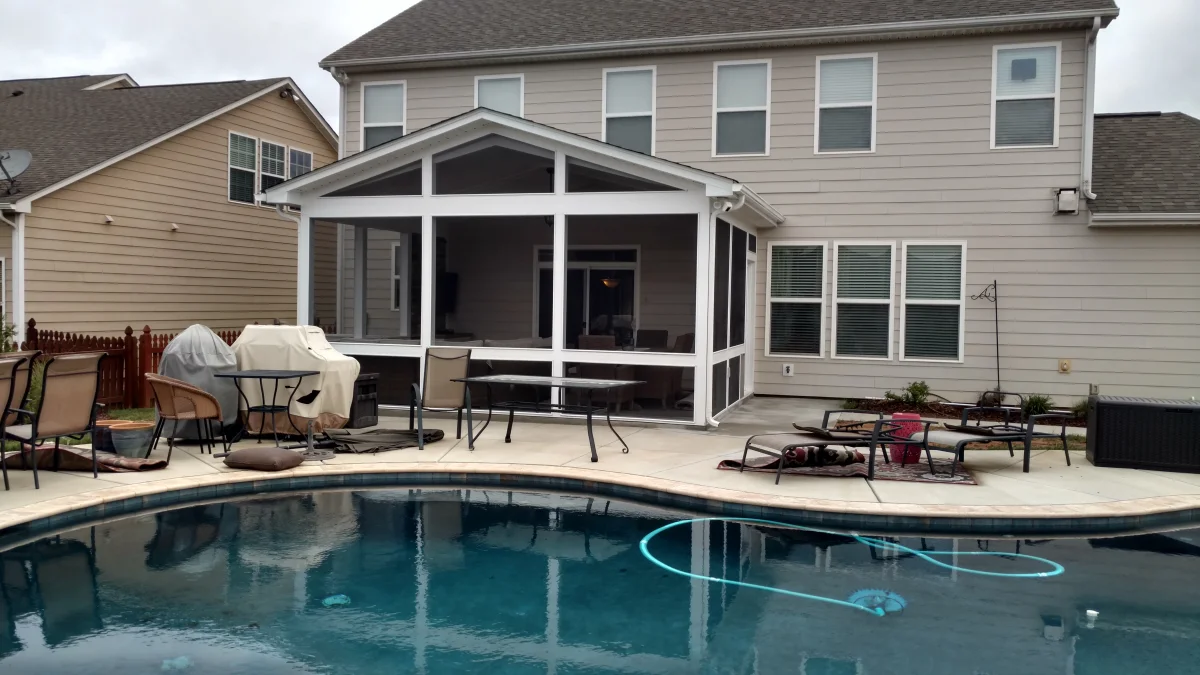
817 194
139 206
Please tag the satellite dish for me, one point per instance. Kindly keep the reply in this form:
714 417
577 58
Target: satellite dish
13 163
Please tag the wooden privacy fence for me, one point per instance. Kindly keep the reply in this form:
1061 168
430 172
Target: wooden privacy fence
122 372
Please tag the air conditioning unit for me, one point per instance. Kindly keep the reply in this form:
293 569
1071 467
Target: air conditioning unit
1144 433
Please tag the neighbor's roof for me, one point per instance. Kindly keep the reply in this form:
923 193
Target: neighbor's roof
70 129
466 27
1146 163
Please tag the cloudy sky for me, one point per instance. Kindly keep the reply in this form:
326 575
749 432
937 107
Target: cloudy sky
1148 57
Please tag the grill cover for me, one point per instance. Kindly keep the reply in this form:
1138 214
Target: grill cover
297 348
195 356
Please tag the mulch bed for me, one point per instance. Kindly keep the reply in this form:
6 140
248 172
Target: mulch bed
936 410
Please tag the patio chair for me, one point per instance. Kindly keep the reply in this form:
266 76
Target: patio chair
8 391
178 401
70 386
664 383
438 392
21 382
606 371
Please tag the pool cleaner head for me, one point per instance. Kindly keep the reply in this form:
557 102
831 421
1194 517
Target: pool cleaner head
336 600
882 602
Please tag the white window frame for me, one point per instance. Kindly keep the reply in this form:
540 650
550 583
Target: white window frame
961 302
261 172
891 301
363 125
874 56
805 301
539 265
767 108
478 79
230 167
604 115
996 49
290 150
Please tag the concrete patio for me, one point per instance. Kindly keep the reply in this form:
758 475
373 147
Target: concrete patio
676 460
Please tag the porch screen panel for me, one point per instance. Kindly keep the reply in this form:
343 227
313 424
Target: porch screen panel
493 165
721 288
863 300
933 300
795 298
737 289
719 391
734 374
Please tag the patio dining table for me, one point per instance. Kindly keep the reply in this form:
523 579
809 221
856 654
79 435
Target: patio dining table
584 384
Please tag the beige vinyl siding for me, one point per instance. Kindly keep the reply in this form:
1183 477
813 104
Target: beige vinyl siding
1121 304
227 265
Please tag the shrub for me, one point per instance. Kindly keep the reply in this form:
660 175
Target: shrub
1080 409
35 386
991 398
1037 404
915 394
850 404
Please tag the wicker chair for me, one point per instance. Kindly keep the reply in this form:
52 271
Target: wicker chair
70 386
178 401
9 385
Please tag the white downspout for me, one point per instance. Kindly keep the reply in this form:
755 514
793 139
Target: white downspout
18 273
1089 109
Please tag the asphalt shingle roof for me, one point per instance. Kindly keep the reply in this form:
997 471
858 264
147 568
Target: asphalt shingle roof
456 26
1146 163
69 130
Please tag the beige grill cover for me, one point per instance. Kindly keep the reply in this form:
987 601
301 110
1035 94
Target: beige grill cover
298 348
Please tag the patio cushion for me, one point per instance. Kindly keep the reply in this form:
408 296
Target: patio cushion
266 458
952 438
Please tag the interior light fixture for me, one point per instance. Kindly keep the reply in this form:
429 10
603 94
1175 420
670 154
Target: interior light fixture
611 283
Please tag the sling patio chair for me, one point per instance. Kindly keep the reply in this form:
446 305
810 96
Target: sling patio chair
440 392
9 387
70 386
21 381
180 402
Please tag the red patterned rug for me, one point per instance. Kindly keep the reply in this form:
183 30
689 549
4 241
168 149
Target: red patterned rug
912 473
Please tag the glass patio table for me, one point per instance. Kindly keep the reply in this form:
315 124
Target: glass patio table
585 384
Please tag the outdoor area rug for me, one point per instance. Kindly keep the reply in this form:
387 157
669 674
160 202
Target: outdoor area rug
912 473
80 459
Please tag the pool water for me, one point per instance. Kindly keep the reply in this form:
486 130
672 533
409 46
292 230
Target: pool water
487 581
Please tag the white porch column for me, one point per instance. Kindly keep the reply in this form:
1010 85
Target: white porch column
558 313
18 278
304 277
428 274
360 281
339 325
703 377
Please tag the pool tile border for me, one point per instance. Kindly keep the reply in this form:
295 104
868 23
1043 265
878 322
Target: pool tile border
1058 520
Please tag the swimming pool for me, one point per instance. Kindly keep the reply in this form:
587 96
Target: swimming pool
489 581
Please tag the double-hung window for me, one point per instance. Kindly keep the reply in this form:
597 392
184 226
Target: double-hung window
796 299
931 310
502 93
846 103
862 299
243 167
629 108
383 112
742 108
274 165
299 162
1025 96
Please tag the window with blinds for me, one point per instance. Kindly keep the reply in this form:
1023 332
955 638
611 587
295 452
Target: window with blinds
862 300
243 168
383 113
741 111
629 109
274 165
1026 89
502 93
796 299
845 103
932 301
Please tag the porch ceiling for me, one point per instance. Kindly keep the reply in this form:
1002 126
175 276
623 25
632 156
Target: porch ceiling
473 124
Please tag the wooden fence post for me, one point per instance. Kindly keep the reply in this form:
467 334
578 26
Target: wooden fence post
31 335
143 387
132 378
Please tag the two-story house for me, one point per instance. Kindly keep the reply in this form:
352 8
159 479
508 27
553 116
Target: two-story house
783 198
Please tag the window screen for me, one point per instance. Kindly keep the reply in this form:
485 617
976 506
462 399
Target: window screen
243 164
796 291
1026 96
737 288
503 94
742 107
933 301
846 104
383 113
721 288
274 165
629 109
862 301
